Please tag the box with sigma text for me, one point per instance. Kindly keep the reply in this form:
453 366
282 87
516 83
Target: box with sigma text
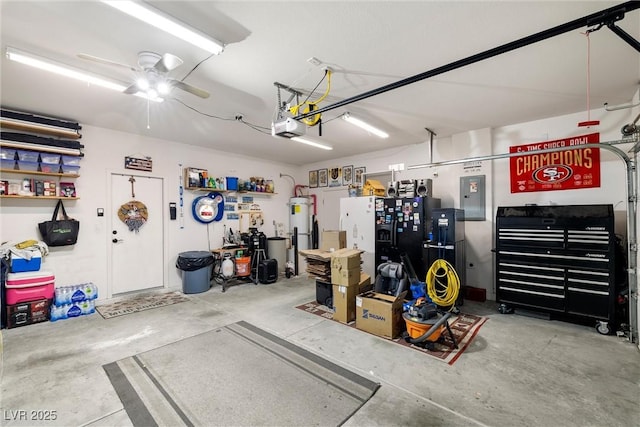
380 314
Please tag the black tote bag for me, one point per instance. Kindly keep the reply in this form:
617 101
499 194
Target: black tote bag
59 232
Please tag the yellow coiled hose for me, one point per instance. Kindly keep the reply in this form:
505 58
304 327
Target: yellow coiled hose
442 292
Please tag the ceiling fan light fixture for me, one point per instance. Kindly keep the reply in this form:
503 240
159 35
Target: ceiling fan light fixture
364 125
60 69
163 88
143 84
168 24
307 141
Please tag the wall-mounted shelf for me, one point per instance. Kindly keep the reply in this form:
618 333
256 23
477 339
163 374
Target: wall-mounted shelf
20 172
4 196
39 128
40 147
253 193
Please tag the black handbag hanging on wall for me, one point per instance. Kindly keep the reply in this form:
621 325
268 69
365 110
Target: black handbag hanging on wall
59 232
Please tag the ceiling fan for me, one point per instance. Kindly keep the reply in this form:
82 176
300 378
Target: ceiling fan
152 74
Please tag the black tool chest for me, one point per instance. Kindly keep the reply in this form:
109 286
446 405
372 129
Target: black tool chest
558 259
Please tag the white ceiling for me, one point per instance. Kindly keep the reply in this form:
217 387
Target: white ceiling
368 44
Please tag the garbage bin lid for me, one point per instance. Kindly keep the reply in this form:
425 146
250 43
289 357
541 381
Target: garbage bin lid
195 254
275 238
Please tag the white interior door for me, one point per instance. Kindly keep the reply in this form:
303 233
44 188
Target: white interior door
329 215
137 256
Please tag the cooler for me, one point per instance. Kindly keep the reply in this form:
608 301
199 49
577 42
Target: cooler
29 286
20 264
27 313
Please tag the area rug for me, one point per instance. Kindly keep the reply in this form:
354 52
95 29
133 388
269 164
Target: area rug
464 328
237 375
140 303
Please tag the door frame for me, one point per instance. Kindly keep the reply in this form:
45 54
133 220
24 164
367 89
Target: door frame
112 217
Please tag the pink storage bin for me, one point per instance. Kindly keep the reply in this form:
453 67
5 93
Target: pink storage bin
29 286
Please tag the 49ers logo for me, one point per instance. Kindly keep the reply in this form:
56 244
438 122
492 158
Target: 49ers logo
552 174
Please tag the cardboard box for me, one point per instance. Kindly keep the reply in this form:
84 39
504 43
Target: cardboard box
344 303
346 259
333 239
345 267
344 299
380 314
345 277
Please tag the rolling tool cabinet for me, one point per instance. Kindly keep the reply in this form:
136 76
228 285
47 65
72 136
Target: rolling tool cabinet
558 259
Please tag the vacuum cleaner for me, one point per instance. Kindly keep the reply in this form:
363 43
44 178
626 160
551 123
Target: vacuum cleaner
425 319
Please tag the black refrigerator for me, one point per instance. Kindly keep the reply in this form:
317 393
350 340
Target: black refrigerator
402 225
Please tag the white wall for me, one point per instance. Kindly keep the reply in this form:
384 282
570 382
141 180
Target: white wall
104 153
483 142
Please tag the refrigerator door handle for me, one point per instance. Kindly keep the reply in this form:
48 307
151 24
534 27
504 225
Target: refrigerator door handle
340 223
394 232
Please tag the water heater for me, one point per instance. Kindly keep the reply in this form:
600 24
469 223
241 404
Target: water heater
299 217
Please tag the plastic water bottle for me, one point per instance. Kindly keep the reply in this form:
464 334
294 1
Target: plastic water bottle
54 313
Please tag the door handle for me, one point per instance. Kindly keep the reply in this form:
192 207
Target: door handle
116 240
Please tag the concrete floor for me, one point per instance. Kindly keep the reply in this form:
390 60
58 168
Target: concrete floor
519 371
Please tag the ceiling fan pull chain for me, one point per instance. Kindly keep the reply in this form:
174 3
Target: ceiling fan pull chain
148 119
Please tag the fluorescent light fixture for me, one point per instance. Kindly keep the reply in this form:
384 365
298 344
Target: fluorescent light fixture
311 143
67 71
364 125
57 68
168 24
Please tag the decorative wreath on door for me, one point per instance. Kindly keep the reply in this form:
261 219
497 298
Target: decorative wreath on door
134 214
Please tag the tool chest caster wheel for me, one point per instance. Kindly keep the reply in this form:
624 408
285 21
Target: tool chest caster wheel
603 327
505 309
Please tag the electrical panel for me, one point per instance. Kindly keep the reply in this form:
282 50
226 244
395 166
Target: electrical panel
472 197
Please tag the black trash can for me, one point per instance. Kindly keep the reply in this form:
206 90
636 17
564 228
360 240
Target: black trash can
196 271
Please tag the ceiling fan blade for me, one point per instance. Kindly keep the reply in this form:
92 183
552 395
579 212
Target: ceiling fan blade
105 61
132 89
188 88
167 63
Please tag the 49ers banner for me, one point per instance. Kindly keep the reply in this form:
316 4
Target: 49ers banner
560 170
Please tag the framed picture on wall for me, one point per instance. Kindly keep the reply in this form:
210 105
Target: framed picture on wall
347 175
334 177
323 178
358 173
313 179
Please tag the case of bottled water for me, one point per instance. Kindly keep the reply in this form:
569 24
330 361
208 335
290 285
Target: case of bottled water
76 293
74 301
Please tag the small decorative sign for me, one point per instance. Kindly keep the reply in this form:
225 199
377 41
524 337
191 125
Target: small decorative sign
138 164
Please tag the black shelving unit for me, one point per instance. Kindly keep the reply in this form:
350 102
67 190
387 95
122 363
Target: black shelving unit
559 260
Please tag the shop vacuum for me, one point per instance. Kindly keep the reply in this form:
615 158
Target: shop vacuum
425 318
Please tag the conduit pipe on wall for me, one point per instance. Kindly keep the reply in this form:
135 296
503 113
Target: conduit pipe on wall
632 244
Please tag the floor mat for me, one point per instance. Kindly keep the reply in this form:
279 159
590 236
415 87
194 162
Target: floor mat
236 375
463 326
140 303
